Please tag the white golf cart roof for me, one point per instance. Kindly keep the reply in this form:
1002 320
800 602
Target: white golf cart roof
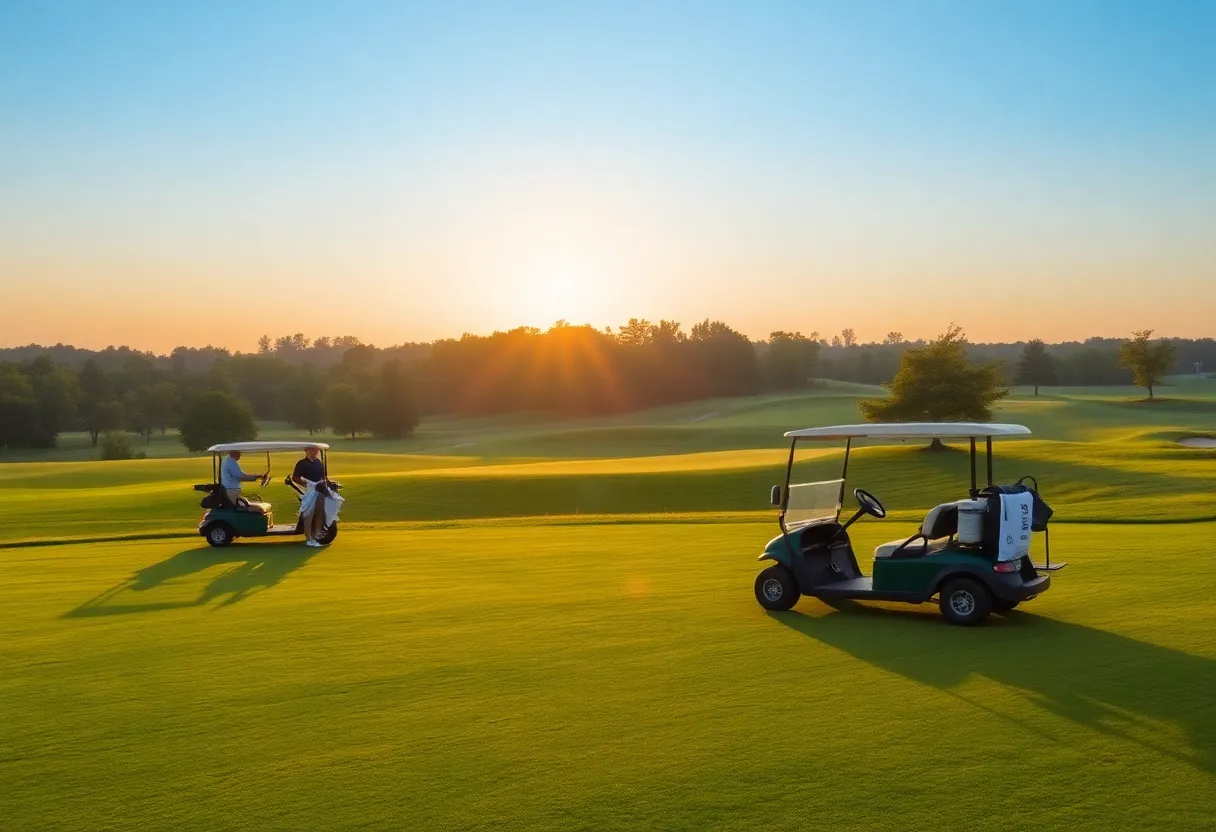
911 430
265 446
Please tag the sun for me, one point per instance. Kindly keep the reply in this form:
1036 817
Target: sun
569 289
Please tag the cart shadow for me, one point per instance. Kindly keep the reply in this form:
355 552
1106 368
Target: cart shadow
1109 683
253 567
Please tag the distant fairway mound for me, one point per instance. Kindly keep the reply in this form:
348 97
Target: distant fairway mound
1198 442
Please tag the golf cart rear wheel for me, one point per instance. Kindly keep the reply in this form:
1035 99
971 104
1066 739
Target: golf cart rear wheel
1001 605
329 534
965 601
776 588
219 534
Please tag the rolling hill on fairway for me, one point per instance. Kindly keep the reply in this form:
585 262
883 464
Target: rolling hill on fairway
1098 458
535 625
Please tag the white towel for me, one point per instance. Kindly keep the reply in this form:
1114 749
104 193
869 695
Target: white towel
333 503
1016 512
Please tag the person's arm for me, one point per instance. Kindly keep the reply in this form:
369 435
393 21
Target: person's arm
295 474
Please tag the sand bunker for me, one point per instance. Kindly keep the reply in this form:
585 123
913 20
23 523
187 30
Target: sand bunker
1198 442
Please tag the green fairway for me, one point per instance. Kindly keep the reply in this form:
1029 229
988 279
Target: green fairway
528 624
593 678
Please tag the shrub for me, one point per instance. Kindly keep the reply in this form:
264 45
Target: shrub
116 446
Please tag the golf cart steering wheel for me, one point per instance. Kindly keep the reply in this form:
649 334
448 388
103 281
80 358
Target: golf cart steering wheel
869 503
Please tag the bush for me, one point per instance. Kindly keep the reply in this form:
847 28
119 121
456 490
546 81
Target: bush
116 446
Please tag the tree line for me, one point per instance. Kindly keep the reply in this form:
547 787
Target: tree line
352 388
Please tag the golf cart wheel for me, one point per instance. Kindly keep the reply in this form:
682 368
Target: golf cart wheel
776 588
965 601
219 534
329 534
1001 605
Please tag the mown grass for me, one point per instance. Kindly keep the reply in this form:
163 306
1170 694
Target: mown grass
595 677
536 625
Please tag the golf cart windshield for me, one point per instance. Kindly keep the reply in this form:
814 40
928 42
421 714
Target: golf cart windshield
811 502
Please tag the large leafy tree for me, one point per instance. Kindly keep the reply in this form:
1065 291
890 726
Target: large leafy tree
300 399
937 383
394 412
1149 361
1036 366
215 416
346 409
95 391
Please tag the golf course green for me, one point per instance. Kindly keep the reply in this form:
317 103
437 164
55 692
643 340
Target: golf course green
528 624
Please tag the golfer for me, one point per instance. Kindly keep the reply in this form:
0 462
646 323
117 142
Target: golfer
309 471
231 476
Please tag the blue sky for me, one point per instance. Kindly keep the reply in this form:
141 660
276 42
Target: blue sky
416 170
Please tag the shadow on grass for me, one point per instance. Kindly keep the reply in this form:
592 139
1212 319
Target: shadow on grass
1109 683
252 567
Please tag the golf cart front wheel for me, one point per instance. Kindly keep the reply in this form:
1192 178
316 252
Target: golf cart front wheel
219 535
327 536
776 588
965 601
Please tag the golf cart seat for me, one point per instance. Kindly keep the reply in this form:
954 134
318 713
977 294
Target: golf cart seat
941 524
252 506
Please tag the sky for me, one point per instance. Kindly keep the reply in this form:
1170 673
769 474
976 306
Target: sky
206 172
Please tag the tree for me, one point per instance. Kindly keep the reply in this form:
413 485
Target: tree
264 345
300 400
215 416
1036 366
393 413
848 337
56 392
936 383
790 360
1148 361
893 338
95 389
18 409
159 402
111 416
345 409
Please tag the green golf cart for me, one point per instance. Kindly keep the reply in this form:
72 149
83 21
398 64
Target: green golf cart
971 555
251 516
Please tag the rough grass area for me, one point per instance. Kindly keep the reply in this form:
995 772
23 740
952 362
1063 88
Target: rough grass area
595 677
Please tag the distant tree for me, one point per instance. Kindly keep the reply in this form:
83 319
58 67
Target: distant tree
111 416
321 343
1148 361
18 409
345 342
264 345
836 342
160 402
300 400
937 383
291 343
95 389
790 360
215 416
636 333
894 338
345 409
394 411
848 337
57 391
1036 366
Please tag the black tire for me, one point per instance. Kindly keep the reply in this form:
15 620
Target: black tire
776 588
1001 605
964 601
329 534
219 534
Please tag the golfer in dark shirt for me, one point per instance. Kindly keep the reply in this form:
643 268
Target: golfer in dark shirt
310 469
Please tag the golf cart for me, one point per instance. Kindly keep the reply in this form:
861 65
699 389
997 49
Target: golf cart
251 516
972 555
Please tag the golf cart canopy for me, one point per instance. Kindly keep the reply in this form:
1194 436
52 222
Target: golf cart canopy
265 446
911 430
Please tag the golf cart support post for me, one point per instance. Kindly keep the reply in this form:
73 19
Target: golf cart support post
813 554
